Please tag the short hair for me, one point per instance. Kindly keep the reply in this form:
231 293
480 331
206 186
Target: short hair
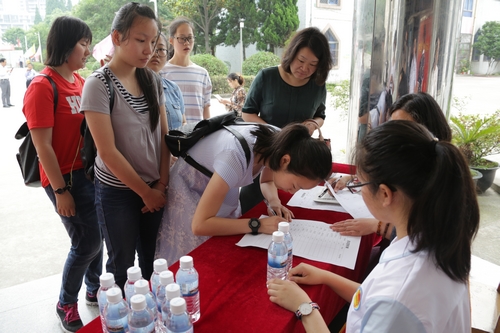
424 109
436 183
309 157
236 76
317 42
172 27
64 33
2 59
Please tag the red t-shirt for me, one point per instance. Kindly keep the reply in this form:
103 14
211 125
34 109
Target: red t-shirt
38 109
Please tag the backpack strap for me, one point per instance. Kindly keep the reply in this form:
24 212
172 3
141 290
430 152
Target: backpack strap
111 88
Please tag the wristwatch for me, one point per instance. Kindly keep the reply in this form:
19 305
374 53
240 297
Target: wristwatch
254 224
61 190
306 309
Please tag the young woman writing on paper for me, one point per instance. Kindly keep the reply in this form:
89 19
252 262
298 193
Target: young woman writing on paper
432 202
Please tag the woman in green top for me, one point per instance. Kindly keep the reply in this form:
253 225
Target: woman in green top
294 91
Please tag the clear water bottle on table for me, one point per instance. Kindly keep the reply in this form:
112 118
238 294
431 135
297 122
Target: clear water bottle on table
116 312
159 265
277 257
187 278
142 287
179 321
140 318
166 278
107 282
284 227
171 291
133 274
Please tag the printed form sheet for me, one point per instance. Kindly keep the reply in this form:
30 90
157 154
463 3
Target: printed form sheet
316 241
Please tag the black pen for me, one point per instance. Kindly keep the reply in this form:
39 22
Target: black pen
269 207
323 193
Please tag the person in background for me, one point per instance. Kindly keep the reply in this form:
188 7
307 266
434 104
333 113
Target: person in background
5 83
174 103
30 74
192 79
235 104
293 91
199 206
132 162
57 140
421 108
431 200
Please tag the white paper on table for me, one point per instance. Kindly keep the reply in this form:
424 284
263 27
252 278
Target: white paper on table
305 199
316 241
353 203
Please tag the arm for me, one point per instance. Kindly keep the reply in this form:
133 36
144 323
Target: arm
42 140
206 112
252 117
206 223
102 132
270 192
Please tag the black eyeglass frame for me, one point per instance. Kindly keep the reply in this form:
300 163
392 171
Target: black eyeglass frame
184 40
350 186
157 51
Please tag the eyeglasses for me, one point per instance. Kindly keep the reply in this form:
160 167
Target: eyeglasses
184 40
352 185
162 53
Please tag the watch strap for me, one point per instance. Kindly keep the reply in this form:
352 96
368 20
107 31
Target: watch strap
298 314
61 190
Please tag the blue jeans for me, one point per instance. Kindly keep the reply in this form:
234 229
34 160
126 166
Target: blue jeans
85 254
126 229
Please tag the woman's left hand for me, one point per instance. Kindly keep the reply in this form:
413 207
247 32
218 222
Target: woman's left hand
286 294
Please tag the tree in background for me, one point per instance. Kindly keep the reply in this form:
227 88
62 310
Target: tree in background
52 5
488 43
69 5
13 36
205 15
38 17
229 32
280 21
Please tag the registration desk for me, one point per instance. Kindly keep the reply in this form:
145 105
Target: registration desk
233 293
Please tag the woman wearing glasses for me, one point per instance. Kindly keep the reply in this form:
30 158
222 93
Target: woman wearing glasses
192 79
174 102
421 281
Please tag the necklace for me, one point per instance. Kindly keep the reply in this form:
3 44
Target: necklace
72 78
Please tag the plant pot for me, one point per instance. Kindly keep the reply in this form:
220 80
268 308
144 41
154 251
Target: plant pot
475 176
488 177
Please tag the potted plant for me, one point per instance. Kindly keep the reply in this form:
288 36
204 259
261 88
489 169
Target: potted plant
477 137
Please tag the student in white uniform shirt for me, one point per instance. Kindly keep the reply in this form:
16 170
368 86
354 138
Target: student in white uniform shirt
424 188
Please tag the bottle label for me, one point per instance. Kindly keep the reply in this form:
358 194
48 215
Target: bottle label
116 329
189 289
277 261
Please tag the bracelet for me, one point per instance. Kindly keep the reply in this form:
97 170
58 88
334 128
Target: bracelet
378 227
162 183
385 230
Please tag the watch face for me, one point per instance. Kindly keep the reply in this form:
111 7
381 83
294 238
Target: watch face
305 309
254 223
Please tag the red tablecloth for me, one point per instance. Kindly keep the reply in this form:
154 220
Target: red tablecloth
233 293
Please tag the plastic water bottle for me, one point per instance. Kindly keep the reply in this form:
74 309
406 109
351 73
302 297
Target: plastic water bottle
107 282
284 227
277 256
116 312
159 265
166 278
140 319
179 321
172 291
187 278
141 287
133 274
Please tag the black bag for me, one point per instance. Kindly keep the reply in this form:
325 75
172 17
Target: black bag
89 150
27 156
179 141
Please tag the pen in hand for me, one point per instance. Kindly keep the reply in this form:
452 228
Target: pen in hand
269 207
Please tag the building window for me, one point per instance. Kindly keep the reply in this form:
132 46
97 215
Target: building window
334 47
328 3
468 4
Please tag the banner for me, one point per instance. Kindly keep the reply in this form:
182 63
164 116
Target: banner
38 53
103 48
31 51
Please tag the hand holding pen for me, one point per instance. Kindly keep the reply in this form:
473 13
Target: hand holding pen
279 211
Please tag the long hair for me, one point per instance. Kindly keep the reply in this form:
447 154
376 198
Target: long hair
148 80
317 42
424 109
443 214
308 157
64 33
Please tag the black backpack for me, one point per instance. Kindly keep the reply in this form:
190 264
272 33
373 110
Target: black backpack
89 150
179 141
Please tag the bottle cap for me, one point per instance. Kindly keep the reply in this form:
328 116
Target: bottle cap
284 227
107 280
141 287
114 295
173 290
134 273
138 302
166 278
186 262
177 305
160 265
278 236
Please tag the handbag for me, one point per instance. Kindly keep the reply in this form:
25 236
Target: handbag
27 156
